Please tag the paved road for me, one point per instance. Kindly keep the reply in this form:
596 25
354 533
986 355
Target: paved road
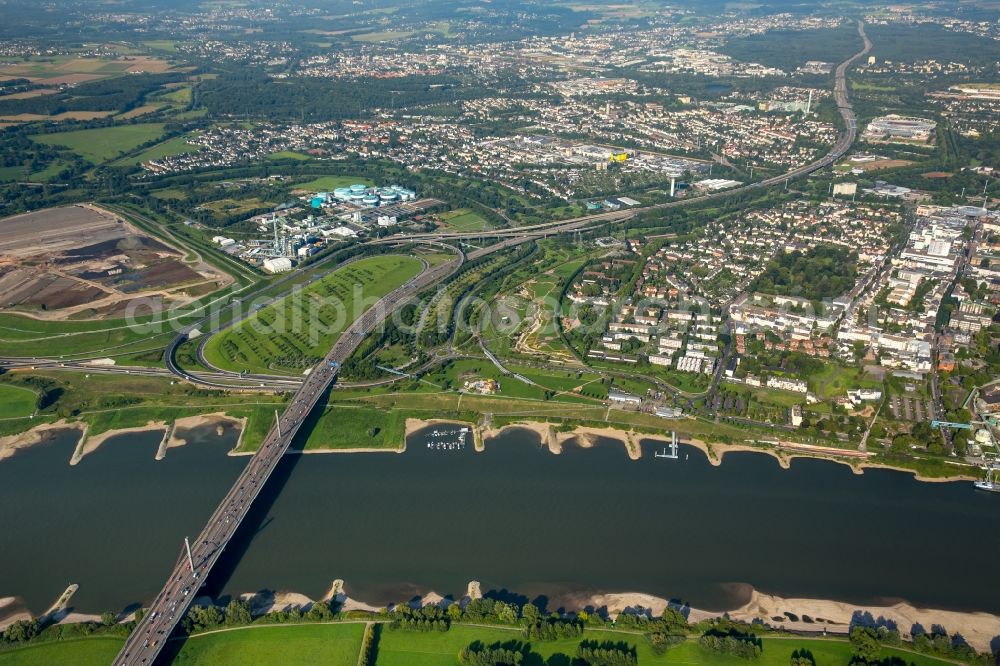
844 142
147 639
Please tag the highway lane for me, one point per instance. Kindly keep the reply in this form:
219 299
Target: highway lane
149 636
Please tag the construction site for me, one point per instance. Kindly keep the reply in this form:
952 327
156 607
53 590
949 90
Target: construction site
82 261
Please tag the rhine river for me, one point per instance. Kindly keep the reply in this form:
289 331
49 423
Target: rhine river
515 518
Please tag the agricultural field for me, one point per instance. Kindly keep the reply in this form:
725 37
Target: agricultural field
384 36
296 332
69 69
168 148
143 110
105 143
180 96
66 115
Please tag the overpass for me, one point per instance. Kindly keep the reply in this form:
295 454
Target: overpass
192 566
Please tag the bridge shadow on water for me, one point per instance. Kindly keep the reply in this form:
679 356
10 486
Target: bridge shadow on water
256 521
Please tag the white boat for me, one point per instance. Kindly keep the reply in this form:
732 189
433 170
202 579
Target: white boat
988 484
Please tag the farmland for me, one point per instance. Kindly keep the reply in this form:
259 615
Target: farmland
168 148
105 143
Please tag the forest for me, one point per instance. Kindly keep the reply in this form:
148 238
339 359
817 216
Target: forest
255 95
117 94
824 271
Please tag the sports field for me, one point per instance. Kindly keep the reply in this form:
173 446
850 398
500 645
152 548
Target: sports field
296 332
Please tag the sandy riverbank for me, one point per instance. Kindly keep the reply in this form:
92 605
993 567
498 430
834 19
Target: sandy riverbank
835 617
586 436
11 444
175 434
90 444
183 426
583 436
792 614
12 609
549 435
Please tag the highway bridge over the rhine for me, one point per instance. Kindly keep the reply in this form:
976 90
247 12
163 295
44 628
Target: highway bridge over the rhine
193 565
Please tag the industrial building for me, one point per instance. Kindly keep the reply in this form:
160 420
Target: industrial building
365 196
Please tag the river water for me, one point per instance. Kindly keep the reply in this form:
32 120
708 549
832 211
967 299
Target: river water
515 517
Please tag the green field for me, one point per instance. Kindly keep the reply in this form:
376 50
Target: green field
97 651
104 143
328 183
16 402
40 176
168 148
355 426
332 644
297 331
23 336
463 219
339 645
385 36
288 155
180 96
398 648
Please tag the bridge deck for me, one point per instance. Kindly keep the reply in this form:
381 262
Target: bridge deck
147 639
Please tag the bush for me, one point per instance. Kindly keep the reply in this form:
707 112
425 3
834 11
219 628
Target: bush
477 654
661 642
607 654
550 630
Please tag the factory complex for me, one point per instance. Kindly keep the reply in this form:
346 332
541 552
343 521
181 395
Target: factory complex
293 232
